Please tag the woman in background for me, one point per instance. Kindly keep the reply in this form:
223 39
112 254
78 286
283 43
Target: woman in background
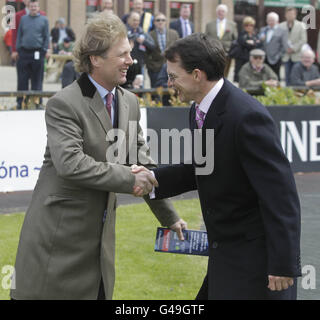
247 40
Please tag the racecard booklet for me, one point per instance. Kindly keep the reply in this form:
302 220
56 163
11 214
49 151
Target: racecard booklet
195 242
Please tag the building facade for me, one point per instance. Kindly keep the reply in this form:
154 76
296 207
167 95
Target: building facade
76 13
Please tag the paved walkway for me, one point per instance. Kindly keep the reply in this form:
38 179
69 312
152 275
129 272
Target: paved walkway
309 191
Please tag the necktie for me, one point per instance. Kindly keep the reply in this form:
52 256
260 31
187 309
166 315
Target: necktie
199 117
221 29
109 99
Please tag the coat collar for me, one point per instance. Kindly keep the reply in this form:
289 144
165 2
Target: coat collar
217 108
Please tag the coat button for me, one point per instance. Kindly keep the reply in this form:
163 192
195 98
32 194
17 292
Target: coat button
214 245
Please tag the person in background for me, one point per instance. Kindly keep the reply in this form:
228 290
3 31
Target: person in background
69 74
134 76
183 25
305 72
19 15
297 37
8 39
163 37
223 30
255 72
143 42
32 47
146 18
107 6
275 42
318 48
59 33
247 41
66 46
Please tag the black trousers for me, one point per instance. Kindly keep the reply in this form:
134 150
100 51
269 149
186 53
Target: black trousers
29 69
275 67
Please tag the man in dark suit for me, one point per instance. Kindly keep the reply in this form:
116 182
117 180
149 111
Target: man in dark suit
183 25
249 201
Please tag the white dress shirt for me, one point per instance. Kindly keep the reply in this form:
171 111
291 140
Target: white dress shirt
103 93
206 102
204 106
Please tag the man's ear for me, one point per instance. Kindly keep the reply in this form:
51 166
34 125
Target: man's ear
95 61
197 74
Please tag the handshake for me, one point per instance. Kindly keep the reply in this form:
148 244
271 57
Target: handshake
145 181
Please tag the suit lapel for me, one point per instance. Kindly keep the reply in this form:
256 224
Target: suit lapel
123 109
216 110
94 101
97 106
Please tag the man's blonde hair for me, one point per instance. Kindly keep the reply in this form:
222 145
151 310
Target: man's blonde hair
99 35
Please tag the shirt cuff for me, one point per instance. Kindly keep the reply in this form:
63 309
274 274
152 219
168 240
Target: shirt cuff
152 194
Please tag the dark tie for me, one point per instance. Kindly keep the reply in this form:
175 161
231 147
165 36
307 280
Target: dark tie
109 99
199 117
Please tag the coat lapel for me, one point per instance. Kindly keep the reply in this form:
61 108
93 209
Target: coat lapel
123 109
216 110
97 106
94 101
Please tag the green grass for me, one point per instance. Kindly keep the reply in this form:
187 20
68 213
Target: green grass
10 226
141 273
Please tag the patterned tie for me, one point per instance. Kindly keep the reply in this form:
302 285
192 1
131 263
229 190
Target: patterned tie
199 117
109 99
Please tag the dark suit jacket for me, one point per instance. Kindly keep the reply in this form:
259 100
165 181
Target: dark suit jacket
56 31
249 202
176 25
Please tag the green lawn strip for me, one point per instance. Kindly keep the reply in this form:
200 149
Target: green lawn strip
141 273
10 226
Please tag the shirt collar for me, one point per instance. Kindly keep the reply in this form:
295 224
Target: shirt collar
161 32
184 20
102 91
211 95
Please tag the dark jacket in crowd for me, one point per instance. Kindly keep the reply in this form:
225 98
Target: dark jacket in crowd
139 50
244 50
55 34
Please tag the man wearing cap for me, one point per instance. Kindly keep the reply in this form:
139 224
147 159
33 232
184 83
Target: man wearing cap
255 72
59 33
66 46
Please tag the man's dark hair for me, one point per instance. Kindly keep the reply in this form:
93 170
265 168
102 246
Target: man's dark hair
199 51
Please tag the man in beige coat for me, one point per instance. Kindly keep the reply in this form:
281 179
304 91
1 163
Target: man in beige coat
297 37
223 30
67 242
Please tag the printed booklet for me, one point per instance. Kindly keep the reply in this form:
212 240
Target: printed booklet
195 242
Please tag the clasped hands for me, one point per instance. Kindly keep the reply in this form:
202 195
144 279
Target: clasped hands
145 181
144 184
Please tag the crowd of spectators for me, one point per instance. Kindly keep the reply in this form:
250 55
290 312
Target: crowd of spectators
258 54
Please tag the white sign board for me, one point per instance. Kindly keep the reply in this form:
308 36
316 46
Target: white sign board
23 140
